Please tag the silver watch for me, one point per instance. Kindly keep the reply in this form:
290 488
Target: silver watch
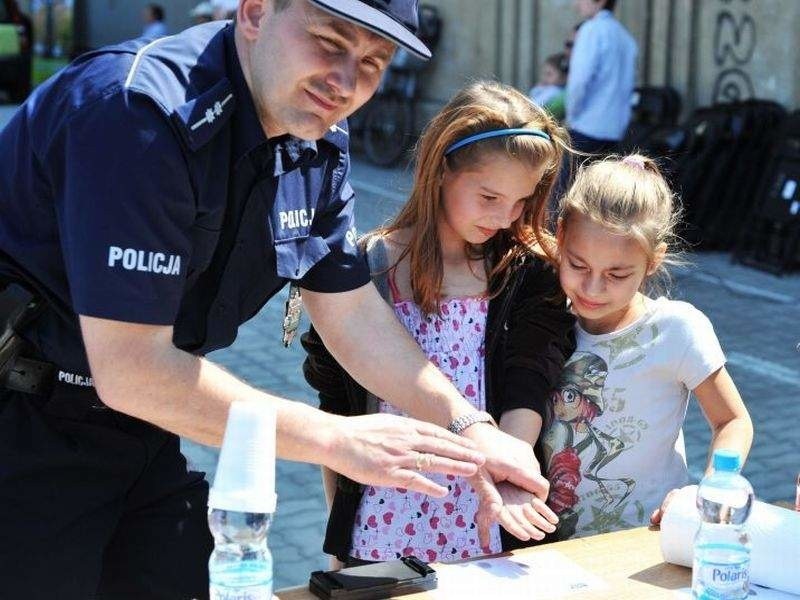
459 424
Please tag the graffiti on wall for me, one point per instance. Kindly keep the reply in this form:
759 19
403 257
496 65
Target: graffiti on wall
734 46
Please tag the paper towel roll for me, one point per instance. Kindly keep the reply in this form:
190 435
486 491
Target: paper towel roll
774 533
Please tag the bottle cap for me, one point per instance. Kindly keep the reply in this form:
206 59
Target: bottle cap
245 479
727 460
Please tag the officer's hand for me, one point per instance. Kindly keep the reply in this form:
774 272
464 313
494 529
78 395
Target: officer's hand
389 451
508 459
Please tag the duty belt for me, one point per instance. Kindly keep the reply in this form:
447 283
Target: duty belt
18 308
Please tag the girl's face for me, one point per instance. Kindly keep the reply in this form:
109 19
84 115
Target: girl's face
478 202
601 273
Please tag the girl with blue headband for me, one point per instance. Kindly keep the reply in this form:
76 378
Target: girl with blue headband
464 267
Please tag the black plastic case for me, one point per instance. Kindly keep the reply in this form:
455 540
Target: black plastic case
407 575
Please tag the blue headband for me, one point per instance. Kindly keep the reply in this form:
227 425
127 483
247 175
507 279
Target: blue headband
484 135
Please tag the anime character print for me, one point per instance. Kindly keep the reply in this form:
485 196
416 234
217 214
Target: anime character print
575 448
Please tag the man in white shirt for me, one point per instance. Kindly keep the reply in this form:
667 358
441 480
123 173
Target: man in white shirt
154 26
602 69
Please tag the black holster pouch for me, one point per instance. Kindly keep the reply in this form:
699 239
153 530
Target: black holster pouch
18 307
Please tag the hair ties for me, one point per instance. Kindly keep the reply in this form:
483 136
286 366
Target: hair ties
634 161
485 135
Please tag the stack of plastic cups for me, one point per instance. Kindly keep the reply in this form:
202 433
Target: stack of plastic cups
241 503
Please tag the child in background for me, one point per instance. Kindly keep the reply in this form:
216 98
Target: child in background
463 269
550 91
614 446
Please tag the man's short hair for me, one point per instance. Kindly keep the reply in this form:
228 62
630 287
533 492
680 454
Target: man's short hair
157 11
610 4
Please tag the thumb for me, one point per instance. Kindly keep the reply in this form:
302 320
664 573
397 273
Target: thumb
489 505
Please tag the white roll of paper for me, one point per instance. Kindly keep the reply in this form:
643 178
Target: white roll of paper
774 533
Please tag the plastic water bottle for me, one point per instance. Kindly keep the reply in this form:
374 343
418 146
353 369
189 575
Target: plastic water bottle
241 504
721 569
241 564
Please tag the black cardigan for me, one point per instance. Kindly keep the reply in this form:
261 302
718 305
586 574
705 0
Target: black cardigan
529 336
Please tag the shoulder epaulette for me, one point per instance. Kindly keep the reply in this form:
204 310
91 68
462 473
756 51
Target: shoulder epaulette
202 117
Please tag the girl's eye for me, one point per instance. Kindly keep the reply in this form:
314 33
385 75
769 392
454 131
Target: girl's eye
576 267
619 277
488 198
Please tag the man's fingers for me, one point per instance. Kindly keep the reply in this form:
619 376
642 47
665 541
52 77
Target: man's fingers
424 461
417 482
442 447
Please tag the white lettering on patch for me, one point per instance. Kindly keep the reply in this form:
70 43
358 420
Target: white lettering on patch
132 259
75 379
292 219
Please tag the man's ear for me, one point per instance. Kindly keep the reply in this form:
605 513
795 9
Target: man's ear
658 258
248 17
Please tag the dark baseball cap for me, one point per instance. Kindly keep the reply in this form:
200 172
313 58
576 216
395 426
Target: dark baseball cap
396 20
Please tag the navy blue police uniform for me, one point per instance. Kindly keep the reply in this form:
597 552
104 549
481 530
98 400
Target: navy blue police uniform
138 185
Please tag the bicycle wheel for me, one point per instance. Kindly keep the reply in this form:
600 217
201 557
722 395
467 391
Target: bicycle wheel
387 130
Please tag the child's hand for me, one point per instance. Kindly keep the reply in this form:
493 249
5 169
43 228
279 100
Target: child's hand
529 511
655 518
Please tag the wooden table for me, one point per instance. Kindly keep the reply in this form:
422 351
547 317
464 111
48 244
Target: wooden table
628 561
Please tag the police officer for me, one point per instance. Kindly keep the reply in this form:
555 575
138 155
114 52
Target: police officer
153 196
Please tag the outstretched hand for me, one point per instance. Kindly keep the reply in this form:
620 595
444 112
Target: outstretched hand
390 451
508 460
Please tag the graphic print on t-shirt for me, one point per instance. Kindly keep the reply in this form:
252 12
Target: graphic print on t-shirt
576 449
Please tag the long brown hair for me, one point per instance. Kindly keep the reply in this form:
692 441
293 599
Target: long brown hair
480 106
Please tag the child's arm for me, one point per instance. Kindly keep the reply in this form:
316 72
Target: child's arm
731 427
530 512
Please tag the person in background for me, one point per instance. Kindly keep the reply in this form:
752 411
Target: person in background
550 92
463 269
614 450
154 26
202 13
602 69
224 9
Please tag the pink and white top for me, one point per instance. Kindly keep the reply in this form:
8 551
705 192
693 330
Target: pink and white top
393 522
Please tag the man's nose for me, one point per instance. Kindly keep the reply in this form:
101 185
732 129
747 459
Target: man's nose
342 80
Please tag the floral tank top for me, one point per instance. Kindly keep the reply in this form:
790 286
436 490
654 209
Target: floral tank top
395 522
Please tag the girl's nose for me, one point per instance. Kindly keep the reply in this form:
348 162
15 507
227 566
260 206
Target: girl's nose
593 284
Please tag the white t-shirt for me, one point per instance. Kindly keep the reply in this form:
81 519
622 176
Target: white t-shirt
615 446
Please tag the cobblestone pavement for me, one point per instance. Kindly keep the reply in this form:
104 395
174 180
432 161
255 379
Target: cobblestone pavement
755 314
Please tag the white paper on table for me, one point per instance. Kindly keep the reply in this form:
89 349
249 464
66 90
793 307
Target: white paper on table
546 574
756 591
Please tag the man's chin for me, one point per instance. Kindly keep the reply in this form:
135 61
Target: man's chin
312 128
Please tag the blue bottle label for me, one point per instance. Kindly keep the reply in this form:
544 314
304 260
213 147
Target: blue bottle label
722 581
250 592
